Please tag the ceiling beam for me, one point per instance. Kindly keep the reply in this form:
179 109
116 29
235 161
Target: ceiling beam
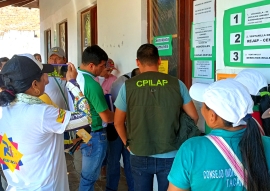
10 2
23 3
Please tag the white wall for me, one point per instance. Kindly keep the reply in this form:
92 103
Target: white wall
122 28
18 42
221 6
54 12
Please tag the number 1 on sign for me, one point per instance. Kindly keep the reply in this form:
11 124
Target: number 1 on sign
236 19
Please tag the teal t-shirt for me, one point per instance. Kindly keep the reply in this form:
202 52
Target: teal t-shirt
94 95
198 164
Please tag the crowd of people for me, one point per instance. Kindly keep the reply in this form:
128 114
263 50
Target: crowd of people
136 116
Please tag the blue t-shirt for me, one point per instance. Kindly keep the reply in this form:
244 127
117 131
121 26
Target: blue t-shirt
198 164
120 103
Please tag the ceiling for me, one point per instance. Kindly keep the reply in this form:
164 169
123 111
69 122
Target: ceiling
20 3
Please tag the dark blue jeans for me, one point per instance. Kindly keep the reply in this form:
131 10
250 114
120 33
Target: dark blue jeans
115 149
93 154
143 171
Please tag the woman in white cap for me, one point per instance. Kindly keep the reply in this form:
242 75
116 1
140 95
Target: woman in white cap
229 158
257 87
31 140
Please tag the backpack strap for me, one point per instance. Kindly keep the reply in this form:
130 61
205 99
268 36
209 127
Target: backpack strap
231 158
260 127
126 76
63 95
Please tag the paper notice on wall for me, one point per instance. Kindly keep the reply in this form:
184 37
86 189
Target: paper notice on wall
203 34
256 56
257 37
257 15
203 11
204 51
203 69
164 67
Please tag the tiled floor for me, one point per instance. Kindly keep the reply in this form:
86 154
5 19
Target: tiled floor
74 167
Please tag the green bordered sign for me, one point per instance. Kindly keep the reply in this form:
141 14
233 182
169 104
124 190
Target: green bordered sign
164 45
203 50
246 31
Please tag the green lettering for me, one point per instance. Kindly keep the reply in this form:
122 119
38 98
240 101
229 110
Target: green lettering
159 83
139 83
164 82
151 83
145 82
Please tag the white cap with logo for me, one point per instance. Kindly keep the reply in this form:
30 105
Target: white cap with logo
228 98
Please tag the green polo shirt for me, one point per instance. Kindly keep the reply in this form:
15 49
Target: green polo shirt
94 95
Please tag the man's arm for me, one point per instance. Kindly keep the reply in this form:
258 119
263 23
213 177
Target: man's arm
188 105
107 116
119 123
174 188
190 109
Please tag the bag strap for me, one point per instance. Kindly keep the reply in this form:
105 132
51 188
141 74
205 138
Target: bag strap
126 76
230 157
63 95
260 127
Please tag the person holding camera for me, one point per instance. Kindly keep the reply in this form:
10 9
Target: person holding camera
31 132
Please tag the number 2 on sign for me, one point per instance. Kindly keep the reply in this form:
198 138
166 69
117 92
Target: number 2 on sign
235 38
235 56
236 19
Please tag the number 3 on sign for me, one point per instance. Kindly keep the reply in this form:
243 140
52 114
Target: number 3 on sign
235 56
236 19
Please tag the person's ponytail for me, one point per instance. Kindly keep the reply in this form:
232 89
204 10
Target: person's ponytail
7 95
253 157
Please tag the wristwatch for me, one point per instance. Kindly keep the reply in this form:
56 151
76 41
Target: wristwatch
126 145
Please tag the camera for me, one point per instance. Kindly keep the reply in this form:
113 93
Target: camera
60 70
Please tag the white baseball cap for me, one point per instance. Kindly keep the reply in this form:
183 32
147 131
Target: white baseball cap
228 98
252 79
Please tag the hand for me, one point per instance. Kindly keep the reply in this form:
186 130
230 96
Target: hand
72 72
128 149
74 141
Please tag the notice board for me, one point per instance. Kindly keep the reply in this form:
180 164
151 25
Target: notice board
246 31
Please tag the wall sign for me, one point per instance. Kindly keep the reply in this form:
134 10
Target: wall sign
247 35
164 45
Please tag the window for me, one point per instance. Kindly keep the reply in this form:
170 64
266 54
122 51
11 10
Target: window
63 37
89 27
173 17
47 43
163 21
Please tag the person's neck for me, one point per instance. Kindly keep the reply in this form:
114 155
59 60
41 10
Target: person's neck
230 128
85 68
149 69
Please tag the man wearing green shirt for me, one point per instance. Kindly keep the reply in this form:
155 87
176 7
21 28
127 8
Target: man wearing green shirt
93 62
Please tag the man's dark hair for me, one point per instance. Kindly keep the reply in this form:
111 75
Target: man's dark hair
135 72
37 54
148 54
4 59
94 54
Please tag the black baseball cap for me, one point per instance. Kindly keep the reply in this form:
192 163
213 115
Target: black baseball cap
23 66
